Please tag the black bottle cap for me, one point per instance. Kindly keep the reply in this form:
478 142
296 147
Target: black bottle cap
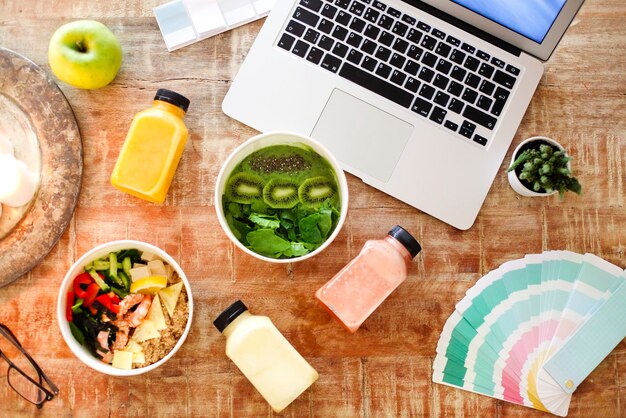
406 239
172 97
229 315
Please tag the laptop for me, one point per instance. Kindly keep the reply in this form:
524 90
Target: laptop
420 99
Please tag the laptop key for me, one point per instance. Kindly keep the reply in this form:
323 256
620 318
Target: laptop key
355 56
455 88
456 105
357 24
354 39
386 38
469 95
484 102
458 73
421 106
300 49
397 60
480 139
369 63
314 5
443 49
423 26
343 18
342 3
467 129
376 85
383 53
472 80
400 45
429 59
451 125
357 8
486 70
426 74
457 56
400 28
326 26
483 55
504 79
369 47
444 66
295 28
331 63
479 117
371 31
415 52
487 87
427 91
286 41
437 115
414 35
471 63
383 70
441 98
303 15
468 48
329 11
412 84
379 5
439 34
412 67
386 22
452 40
311 36
397 77
409 19
315 55
497 62
441 81
501 95
371 15
340 49
393 12
512 70
429 42
340 33
326 43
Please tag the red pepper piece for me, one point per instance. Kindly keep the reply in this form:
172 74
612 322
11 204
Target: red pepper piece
107 301
90 294
68 307
81 279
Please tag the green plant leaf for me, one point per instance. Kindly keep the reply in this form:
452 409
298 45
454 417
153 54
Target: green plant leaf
264 221
309 231
264 241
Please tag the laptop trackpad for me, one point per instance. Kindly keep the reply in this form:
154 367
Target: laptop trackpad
361 135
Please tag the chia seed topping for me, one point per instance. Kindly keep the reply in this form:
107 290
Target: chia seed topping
289 163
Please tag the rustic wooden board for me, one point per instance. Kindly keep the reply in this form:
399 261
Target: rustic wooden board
385 368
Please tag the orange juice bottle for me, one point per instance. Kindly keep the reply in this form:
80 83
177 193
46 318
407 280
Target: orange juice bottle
153 147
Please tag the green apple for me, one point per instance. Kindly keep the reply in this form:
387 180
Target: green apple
85 54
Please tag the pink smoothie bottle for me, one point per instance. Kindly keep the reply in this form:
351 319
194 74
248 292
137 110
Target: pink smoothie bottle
361 286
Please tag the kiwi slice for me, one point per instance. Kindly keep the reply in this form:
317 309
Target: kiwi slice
316 190
281 193
244 188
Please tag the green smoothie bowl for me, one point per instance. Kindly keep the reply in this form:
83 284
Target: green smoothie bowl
281 197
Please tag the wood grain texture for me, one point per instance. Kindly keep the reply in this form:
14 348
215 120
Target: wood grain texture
384 370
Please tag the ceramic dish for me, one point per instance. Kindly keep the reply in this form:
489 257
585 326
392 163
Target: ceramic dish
82 352
280 138
38 121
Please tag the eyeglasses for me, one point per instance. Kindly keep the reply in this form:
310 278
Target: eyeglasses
24 375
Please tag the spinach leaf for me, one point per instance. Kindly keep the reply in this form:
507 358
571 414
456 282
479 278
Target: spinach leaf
259 206
325 222
264 241
297 249
309 230
265 221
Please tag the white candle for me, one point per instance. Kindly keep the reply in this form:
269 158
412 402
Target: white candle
5 146
17 184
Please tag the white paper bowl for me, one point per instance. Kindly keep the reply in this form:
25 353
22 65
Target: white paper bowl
77 268
263 141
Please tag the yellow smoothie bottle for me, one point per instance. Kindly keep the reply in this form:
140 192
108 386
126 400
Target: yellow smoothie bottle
153 147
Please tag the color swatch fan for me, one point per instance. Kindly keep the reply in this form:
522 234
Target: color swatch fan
532 330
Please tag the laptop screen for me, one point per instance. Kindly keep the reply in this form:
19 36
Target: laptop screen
529 18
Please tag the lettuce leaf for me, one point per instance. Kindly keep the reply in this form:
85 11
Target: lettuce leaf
264 241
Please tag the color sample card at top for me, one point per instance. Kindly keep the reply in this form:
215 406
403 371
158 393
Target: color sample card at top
183 22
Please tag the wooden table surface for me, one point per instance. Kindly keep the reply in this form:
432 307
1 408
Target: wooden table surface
385 368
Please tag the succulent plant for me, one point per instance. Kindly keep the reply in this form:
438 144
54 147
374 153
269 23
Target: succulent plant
545 169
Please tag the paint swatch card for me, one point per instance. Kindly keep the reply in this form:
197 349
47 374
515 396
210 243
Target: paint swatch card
520 333
183 22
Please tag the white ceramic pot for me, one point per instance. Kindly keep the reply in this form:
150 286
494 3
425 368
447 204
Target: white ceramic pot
279 138
515 182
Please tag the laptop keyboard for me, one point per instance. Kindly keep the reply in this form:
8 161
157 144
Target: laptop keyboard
446 81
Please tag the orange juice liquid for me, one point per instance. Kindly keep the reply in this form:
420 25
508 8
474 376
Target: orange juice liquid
151 153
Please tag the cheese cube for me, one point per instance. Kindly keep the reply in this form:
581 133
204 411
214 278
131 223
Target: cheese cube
157 268
146 331
146 256
141 272
123 360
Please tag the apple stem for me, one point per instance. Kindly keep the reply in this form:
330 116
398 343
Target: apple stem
80 46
